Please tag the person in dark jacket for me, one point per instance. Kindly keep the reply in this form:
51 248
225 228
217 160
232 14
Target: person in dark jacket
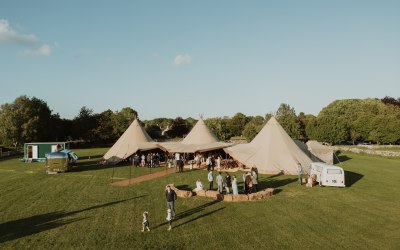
171 197
228 183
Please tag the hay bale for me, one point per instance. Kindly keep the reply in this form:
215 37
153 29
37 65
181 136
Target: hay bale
240 197
228 198
256 196
211 194
184 193
201 193
269 192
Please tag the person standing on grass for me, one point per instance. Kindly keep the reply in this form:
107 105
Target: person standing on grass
145 222
171 197
249 183
169 219
210 179
220 182
228 183
255 182
143 162
219 163
234 186
244 182
299 171
212 162
208 163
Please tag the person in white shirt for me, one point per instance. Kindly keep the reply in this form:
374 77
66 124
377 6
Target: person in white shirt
210 179
199 186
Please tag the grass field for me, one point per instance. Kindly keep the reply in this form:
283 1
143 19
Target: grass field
81 210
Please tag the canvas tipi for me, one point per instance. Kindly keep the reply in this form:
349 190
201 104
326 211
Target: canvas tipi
200 139
272 151
133 139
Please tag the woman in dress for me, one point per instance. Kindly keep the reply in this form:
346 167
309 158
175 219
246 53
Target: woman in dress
234 186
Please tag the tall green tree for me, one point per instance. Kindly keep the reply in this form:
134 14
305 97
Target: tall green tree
219 126
253 127
123 119
237 123
104 131
25 120
84 125
286 116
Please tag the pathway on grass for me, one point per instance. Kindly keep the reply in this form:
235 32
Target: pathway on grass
142 178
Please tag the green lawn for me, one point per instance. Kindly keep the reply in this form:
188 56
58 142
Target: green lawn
80 209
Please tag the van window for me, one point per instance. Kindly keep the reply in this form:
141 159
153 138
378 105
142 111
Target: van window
334 171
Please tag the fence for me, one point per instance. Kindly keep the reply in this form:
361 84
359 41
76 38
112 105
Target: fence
10 153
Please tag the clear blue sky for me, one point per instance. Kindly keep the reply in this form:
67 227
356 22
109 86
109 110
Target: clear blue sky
182 58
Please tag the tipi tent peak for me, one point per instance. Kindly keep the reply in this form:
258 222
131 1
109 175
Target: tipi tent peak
199 139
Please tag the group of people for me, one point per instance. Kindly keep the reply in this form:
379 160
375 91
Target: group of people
250 180
226 184
150 160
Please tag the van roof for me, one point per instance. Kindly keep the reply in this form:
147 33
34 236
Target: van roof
325 165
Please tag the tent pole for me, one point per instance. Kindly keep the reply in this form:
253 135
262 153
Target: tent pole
112 178
130 173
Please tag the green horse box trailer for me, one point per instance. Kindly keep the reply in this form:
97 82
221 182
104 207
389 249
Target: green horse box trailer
37 151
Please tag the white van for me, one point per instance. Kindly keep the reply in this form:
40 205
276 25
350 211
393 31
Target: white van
327 175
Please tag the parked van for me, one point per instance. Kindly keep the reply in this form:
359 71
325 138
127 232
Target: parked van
327 175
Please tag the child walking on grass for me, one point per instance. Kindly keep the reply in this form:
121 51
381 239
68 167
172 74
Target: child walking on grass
145 223
169 219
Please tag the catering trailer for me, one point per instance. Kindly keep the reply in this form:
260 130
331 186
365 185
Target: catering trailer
60 161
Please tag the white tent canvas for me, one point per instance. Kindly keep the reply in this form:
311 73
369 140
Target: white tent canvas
199 139
272 151
133 139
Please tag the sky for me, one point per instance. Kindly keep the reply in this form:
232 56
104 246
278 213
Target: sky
185 58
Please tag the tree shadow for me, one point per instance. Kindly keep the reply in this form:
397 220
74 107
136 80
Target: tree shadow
93 165
192 211
16 229
351 178
200 216
268 182
339 157
86 157
184 187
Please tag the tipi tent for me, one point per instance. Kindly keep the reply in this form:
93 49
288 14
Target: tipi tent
133 139
320 152
272 151
200 139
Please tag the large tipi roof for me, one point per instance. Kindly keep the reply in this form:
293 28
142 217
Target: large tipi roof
200 139
133 139
272 151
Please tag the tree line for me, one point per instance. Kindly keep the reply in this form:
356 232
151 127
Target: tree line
351 120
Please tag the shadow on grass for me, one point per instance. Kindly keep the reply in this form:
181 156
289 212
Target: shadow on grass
192 211
200 216
97 157
351 178
339 157
16 229
270 182
184 187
